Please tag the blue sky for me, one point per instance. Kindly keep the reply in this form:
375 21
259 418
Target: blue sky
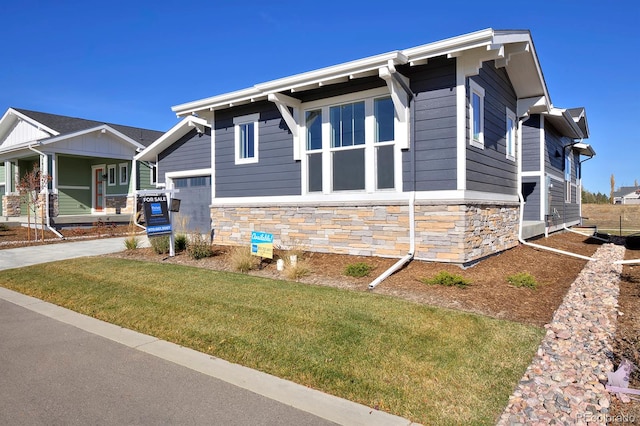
128 62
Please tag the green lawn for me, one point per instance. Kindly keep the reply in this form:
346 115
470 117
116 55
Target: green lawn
433 366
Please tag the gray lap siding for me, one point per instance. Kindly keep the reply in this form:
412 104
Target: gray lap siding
434 135
191 152
488 169
275 173
532 191
531 144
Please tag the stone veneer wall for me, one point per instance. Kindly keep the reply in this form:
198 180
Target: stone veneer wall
11 205
458 233
122 202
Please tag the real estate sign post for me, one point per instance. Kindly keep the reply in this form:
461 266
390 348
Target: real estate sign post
156 215
262 244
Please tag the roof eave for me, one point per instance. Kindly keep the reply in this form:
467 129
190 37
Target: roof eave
170 137
533 84
104 127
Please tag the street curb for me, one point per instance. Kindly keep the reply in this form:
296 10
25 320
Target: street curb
318 403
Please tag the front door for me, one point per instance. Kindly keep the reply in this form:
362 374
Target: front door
98 189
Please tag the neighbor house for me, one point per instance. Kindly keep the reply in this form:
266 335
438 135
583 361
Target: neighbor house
428 151
88 163
627 195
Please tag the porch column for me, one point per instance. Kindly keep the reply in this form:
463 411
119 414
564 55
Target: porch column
7 176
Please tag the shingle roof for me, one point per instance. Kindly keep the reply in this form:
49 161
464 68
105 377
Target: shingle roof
625 190
65 125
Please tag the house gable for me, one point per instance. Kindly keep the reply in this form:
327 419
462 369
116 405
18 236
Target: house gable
17 129
99 142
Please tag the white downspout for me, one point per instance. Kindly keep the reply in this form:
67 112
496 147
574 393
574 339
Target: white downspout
412 245
46 195
586 235
521 198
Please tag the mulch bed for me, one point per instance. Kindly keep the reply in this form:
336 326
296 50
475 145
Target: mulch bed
489 292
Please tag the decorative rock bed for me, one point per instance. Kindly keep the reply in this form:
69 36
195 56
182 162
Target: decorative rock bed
564 383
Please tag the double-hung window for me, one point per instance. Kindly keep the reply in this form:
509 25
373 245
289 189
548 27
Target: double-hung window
111 174
313 123
347 146
246 138
384 143
510 135
351 146
476 114
124 173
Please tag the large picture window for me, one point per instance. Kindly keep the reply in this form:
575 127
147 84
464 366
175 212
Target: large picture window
351 146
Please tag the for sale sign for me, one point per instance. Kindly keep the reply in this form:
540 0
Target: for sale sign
262 244
157 215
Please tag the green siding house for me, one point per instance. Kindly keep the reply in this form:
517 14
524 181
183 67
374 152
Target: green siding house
86 165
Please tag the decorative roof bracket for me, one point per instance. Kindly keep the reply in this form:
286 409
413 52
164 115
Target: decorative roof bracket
400 95
284 102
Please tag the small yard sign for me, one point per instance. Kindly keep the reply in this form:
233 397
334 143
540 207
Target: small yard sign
262 244
157 215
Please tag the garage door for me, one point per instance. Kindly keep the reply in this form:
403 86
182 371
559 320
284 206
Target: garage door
195 198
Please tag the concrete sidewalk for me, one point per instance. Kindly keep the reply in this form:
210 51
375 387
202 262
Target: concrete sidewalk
33 255
225 393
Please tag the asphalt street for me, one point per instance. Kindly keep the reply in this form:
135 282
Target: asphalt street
58 367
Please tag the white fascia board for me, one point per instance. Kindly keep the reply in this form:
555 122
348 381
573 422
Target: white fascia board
289 84
30 120
102 128
584 149
170 137
19 147
451 46
335 72
208 103
564 122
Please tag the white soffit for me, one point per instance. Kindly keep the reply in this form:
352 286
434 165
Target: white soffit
584 149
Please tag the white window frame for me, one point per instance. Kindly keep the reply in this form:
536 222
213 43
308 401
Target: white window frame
111 168
125 167
568 165
475 88
368 96
510 145
240 121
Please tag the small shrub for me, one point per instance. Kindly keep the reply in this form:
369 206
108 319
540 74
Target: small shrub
198 247
180 242
296 272
242 260
131 242
3 227
447 279
523 279
160 244
358 270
